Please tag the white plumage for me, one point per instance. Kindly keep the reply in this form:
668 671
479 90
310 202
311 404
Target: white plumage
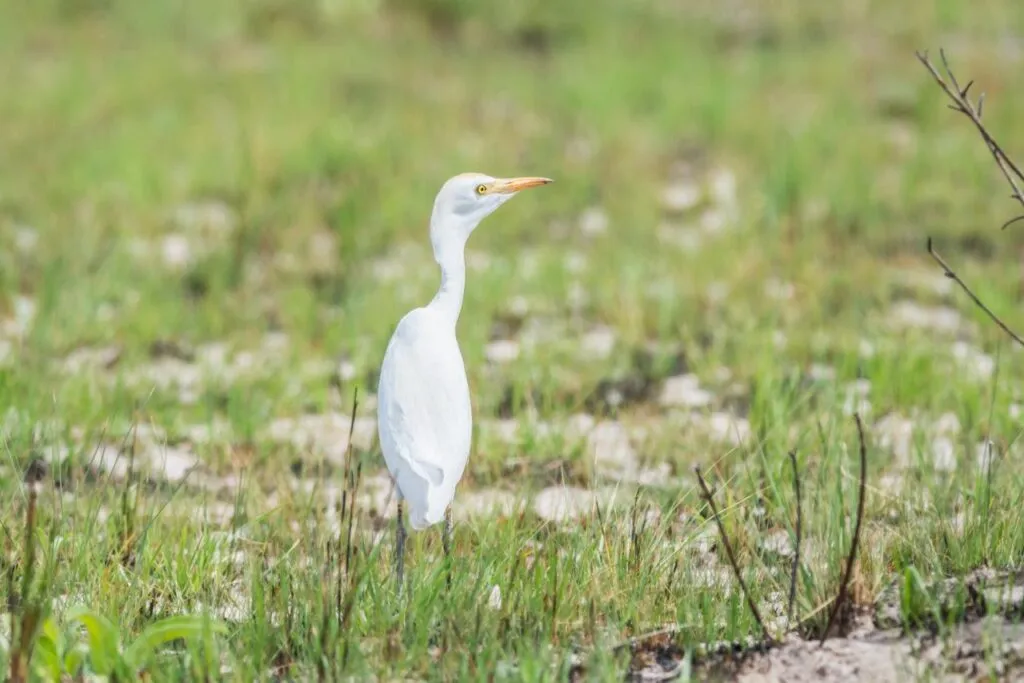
424 418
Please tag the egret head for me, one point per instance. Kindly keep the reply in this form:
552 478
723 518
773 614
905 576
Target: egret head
467 199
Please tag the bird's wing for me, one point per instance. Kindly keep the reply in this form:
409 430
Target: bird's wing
423 406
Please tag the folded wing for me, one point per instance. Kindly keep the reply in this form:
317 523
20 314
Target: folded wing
424 417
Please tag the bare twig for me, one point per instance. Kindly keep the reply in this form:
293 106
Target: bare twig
732 557
974 297
796 550
350 483
352 515
848 572
962 104
348 451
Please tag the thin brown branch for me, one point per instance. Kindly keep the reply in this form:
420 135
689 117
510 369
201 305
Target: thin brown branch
844 586
961 103
350 483
348 450
732 557
974 297
796 550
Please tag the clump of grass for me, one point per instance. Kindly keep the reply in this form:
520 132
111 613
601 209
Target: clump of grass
44 644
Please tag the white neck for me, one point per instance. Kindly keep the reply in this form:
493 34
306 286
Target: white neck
449 244
448 299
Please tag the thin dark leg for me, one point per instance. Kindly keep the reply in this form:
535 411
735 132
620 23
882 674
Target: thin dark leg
400 544
446 542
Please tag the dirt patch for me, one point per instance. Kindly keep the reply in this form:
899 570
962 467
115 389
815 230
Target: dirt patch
986 642
992 647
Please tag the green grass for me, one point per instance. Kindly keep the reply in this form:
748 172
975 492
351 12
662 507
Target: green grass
322 132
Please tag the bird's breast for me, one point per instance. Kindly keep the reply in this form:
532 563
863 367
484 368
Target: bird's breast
424 410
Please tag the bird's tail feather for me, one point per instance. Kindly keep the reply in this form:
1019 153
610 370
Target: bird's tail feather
426 503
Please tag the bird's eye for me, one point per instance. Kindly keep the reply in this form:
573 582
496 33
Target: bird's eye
480 189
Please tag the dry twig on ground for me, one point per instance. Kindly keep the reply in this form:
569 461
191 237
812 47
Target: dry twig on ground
732 556
844 585
796 549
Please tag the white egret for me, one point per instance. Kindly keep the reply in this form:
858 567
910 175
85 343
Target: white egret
424 419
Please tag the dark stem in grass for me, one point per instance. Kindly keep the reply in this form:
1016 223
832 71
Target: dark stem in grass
591 620
507 616
796 549
554 597
600 521
348 453
325 616
351 516
128 508
355 583
446 545
30 546
12 594
636 532
349 483
400 545
346 613
961 103
732 557
25 623
338 569
848 572
672 577
977 302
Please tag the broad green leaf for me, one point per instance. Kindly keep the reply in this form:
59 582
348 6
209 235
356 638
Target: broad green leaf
182 627
46 657
74 658
50 630
103 650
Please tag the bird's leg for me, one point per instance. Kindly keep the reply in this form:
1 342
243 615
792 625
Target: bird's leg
446 543
400 543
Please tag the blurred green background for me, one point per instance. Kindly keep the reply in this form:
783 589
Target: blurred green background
215 170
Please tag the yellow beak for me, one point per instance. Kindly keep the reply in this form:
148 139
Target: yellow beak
510 185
